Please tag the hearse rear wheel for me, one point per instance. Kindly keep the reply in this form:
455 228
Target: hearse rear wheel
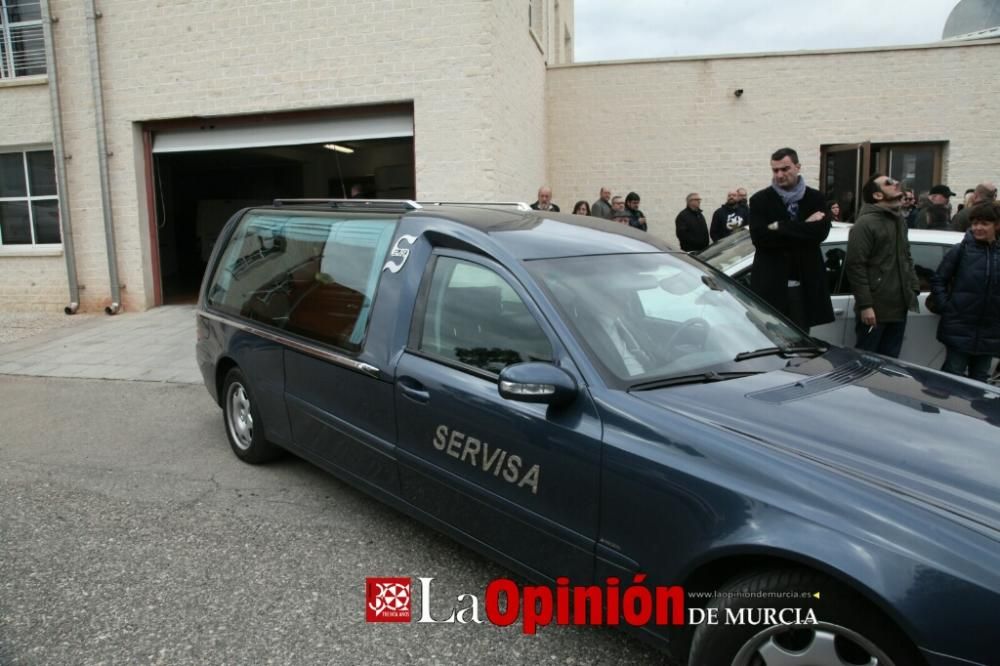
244 427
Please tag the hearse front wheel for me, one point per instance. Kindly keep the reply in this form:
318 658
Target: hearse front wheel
848 631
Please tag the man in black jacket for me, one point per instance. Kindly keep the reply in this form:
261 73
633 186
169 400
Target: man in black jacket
728 217
692 230
879 268
788 222
544 201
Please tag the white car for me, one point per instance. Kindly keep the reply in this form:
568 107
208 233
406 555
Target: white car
733 256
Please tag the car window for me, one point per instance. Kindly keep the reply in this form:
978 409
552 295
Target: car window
311 275
475 317
729 251
834 255
926 259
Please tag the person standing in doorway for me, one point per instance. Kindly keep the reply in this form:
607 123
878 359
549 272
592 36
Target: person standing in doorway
788 223
937 213
879 268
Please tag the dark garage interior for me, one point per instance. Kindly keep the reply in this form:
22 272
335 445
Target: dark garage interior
196 192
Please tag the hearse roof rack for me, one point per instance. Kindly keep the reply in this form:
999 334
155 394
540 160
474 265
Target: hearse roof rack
519 205
355 204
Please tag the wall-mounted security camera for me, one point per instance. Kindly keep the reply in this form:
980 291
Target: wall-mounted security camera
738 92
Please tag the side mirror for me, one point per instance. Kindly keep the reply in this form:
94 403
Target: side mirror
537 382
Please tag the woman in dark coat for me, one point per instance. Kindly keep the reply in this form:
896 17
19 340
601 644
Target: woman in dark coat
967 290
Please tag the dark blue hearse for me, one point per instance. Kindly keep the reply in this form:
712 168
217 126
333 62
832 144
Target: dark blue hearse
573 398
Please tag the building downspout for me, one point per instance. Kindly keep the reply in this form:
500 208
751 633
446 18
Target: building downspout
102 157
65 222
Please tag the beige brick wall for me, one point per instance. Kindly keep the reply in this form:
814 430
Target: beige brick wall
490 121
475 79
515 155
665 128
28 282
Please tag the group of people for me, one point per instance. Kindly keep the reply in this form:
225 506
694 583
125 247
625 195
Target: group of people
622 210
788 221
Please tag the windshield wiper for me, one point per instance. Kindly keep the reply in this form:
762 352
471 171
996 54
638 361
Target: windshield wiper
780 351
698 378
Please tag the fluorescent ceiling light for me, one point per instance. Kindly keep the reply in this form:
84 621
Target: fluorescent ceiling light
338 148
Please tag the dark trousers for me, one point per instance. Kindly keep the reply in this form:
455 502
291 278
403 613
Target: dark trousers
885 339
956 362
797 308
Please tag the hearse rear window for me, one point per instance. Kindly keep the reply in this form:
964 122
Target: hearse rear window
306 274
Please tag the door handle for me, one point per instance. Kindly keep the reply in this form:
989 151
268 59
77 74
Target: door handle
414 390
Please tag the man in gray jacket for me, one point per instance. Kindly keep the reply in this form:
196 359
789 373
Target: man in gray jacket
602 207
880 268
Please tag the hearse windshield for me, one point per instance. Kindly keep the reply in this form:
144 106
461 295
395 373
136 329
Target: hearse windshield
649 317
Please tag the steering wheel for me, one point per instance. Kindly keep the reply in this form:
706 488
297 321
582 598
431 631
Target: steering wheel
689 325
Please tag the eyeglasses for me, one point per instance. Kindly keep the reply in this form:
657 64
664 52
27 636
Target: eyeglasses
888 182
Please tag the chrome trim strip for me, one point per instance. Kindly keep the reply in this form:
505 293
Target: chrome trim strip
304 347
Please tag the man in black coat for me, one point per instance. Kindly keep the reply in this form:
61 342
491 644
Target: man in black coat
692 230
544 201
788 222
728 217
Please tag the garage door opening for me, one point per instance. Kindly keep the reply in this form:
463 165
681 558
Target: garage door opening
201 175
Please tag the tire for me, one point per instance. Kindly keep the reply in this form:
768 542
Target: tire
244 427
848 631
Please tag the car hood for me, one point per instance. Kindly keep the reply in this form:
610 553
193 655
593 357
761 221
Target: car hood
923 435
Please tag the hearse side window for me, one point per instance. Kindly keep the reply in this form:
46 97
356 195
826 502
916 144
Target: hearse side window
310 275
475 317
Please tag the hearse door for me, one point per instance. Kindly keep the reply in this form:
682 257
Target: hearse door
339 403
521 478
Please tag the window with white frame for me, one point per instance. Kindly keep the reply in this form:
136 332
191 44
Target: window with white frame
22 44
29 203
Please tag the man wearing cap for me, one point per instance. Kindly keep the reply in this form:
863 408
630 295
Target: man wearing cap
984 193
545 200
621 216
602 207
936 214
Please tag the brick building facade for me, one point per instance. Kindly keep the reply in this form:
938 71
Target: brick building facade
480 99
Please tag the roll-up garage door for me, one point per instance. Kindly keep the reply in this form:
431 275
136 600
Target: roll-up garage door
234 134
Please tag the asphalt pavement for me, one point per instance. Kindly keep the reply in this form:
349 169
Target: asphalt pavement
130 534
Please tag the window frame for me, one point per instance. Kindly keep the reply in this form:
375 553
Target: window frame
8 69
423 297
29 199
874 158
